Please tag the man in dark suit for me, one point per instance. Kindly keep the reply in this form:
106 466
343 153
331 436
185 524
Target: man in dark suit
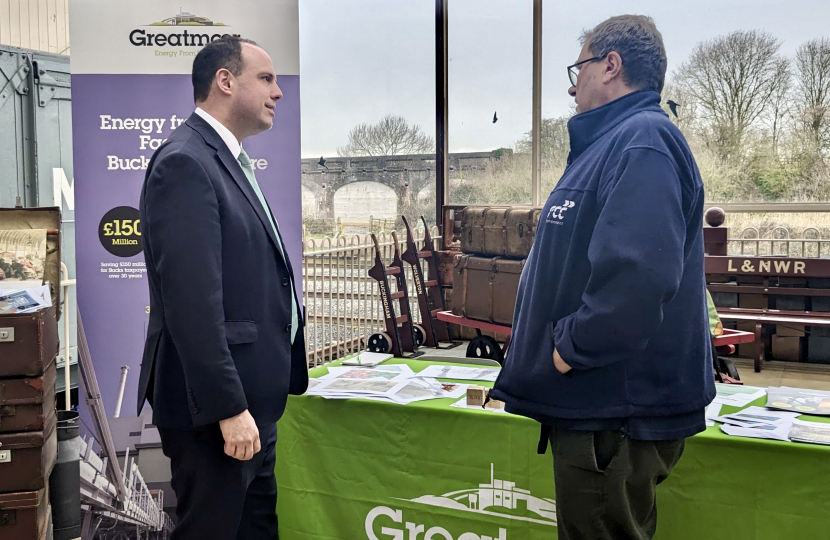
225 343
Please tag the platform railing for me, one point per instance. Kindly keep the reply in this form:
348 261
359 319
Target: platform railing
342 302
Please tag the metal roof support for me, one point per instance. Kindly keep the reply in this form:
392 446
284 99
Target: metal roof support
536 135
441 112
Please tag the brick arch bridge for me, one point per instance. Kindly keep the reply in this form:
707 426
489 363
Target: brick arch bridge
406 175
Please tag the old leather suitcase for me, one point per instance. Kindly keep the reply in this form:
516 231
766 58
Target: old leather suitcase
27 458
26 404
465 333
472 229
499 231
495 232
520 231
33 345
485 288
25 516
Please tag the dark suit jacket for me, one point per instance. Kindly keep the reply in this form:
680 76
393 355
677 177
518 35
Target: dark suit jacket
218 340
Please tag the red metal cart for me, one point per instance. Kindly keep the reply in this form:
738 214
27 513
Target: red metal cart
486 347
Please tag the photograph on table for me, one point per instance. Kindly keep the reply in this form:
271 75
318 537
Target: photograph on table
423 389
368 374
396 384
389 373
415 390
357 386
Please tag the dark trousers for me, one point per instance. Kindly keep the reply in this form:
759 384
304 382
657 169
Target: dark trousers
606 483
219 497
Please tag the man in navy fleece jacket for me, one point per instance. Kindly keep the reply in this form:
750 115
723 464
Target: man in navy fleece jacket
610 348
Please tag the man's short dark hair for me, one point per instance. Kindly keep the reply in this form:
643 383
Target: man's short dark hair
224 53
640 45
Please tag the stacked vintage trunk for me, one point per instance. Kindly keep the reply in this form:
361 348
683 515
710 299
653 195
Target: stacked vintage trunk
495 242
28 434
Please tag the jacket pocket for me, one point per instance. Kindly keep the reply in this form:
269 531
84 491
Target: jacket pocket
239 332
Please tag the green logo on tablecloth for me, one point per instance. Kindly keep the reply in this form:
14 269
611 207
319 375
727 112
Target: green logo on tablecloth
499 498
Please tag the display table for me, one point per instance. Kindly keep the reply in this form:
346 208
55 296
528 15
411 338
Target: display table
358 469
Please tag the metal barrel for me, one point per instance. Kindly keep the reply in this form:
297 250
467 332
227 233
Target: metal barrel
65 480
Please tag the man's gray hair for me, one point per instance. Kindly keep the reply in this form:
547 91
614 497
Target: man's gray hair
640 45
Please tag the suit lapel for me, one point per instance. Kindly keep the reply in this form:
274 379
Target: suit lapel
235 170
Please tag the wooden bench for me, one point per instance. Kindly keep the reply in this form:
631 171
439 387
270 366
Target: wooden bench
776 281
773 278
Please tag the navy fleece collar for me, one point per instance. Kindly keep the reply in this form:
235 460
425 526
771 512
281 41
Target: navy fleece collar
587 127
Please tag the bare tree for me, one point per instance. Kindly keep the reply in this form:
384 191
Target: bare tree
555 142
733 79
812 73
392 135
779 104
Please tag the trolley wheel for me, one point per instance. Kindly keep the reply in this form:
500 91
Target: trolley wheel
380 343
728 367
419 334
485 347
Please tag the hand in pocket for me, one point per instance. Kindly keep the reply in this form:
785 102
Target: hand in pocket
560 364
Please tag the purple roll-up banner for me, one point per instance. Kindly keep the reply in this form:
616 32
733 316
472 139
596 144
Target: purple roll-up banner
131 62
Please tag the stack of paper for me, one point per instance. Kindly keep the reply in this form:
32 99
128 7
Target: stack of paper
393 383
25 300
779 433
810 432
759 423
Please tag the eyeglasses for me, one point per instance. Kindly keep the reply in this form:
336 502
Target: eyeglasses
573 71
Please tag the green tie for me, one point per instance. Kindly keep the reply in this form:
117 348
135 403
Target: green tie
248 169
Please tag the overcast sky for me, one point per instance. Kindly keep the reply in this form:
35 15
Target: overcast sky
363 59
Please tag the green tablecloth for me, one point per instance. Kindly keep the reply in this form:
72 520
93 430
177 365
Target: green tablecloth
360 469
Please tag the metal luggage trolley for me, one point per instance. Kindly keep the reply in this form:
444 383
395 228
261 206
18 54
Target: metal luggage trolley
432 331
400 335
486 347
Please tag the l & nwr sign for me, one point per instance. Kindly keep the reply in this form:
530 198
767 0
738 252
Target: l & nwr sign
768 266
